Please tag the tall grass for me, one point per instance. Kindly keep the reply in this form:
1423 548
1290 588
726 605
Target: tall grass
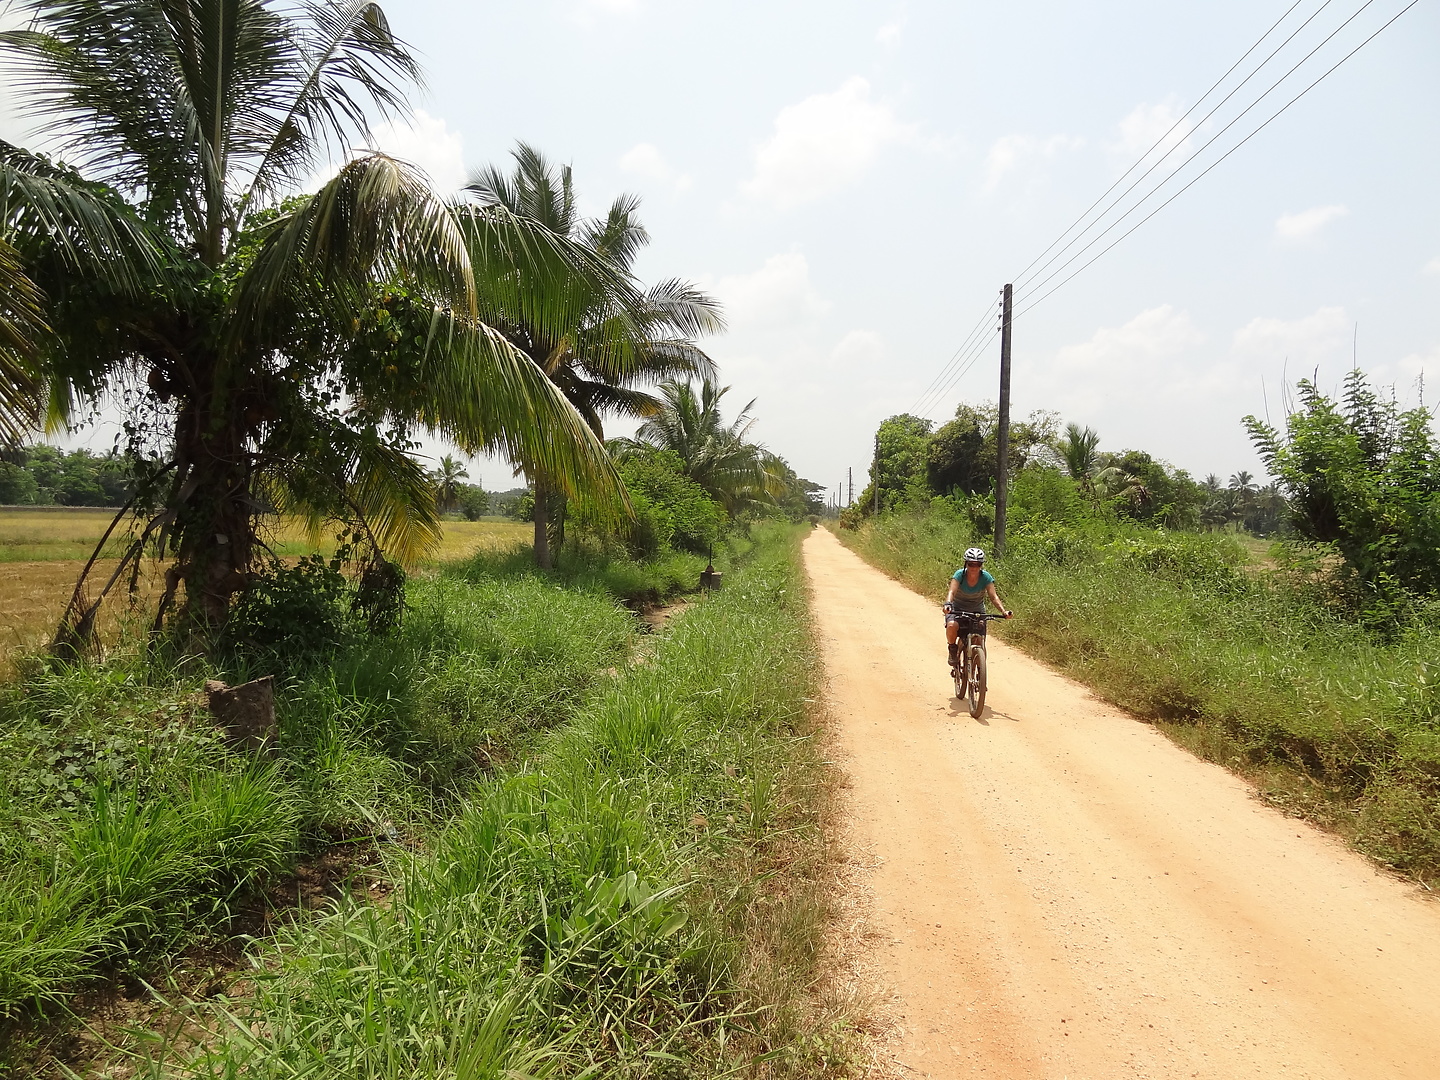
128 830
130 875
583 914
610 858
590 568
1240 663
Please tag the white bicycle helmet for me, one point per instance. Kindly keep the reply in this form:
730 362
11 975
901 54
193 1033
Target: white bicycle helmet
974 555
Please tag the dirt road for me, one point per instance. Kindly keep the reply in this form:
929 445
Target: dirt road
1060 892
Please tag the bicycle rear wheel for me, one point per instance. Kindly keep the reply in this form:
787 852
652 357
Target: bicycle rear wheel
976 688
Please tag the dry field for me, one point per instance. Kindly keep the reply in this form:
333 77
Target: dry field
42 551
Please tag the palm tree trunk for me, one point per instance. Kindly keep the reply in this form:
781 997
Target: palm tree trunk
557 521
213 514
542 523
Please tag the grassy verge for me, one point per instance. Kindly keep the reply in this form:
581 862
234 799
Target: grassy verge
610 858
609 905
639 585
134 843
1233 661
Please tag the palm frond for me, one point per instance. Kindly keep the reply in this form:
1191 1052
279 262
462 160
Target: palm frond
394 497
102 79
357 477
618 236
541 283
349 60
46 209
377 220
187 104
22 327
484 395
682 307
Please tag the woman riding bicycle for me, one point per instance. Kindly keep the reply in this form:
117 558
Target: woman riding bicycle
970 587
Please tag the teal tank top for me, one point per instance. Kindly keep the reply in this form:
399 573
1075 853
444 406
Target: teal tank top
972 599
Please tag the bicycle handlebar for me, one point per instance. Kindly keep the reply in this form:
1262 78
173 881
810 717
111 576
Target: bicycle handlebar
978 614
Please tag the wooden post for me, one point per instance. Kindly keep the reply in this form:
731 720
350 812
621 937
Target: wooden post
875 473
1002 474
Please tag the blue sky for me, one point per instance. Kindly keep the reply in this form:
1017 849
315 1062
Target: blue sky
856 180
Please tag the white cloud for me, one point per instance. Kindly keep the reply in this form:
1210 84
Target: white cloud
777 296
1153 383
889 35
1432 267
610 7
1011 152
1415 366
645 160
429 144
1149 125
823 144
1139 349
860 352
1307 223
1322 337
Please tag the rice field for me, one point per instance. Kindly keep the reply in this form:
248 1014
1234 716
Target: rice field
43 549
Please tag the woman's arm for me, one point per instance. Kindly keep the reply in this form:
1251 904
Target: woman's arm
953 592
995 599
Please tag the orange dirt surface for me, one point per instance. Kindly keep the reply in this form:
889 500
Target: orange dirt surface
1057 891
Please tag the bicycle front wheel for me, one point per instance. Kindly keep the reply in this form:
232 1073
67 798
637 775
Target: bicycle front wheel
977 681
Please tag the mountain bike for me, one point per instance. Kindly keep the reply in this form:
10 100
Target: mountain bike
968 670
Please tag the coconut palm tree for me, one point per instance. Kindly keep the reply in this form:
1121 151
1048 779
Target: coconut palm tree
1079 451
617 341
1113 482
447 482
273 351
716 455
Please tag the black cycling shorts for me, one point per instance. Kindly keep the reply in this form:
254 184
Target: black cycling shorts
967 621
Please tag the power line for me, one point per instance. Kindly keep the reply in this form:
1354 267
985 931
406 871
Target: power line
1210 142
944 380
1196 179
960 363
953 358
974 342
970 350
1160 141
1024 280
974 353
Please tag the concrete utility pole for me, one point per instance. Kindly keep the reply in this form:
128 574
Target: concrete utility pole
850 498
1002 434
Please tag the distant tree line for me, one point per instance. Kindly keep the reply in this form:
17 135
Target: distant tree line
918 462
43 475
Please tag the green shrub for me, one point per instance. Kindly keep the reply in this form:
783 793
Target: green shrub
290 616
671 511
592 567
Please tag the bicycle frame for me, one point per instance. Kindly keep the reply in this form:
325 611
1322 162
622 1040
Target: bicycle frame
969 668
